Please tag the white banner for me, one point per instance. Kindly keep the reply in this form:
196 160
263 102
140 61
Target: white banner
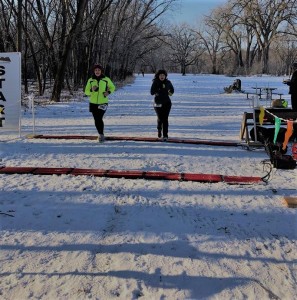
10 91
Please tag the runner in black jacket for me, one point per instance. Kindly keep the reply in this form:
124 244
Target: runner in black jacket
162 88
293 87
292 83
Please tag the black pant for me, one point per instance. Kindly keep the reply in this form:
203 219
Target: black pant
98 118
162 118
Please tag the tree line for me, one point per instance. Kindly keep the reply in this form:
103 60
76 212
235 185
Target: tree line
61 40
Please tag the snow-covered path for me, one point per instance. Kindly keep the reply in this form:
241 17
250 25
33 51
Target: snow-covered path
68 237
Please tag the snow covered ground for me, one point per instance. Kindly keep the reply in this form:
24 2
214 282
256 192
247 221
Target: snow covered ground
84 237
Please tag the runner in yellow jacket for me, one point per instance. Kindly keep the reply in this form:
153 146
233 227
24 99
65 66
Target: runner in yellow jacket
98 88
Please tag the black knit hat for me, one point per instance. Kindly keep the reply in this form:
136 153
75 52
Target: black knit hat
161 72
97 66
294 65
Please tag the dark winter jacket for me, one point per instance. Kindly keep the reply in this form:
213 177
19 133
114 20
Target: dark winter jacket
293 83
162 90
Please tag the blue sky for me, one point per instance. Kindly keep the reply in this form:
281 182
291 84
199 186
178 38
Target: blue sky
191 11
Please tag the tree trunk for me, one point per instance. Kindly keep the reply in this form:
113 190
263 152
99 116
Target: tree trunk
265 60
60 75
20 25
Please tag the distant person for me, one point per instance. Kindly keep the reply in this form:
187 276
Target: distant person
235 86
162 88
292 83
98 88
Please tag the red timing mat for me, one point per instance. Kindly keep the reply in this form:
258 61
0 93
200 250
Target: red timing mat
132 174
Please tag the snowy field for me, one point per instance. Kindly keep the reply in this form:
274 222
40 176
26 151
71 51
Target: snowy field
84 237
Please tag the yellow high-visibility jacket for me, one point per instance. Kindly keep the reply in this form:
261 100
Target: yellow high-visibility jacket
104 84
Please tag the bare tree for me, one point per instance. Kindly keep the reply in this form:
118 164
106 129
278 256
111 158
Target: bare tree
266 18
237 35
61 40
185 47
211 38
128 30
8 24
40 23
285 52
66 48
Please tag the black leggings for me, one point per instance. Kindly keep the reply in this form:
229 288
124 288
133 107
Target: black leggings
162 118
98 118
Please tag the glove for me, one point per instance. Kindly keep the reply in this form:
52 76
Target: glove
95 88
287 81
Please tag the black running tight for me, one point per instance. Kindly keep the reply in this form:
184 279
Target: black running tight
162 118
98 118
